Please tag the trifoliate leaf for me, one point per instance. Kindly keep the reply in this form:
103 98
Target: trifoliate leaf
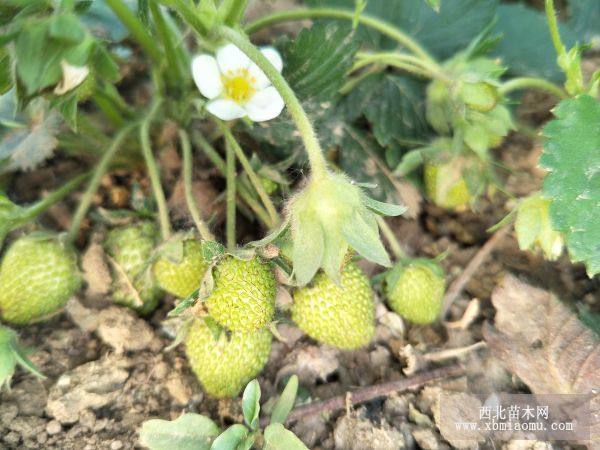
443 33
187 432
251 404
285 402
526 47
277 437
571 153
231 438
316 62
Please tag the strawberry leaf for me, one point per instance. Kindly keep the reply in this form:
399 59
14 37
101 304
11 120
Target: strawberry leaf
317 61
572 156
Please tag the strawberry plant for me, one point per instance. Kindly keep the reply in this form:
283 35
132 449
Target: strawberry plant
331 179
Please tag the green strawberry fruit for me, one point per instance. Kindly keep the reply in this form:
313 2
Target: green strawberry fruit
224 364
37 277
131 248
182 278
415 290
445 185
340 315
243 298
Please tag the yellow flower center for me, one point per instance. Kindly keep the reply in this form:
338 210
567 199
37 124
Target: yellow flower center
239 85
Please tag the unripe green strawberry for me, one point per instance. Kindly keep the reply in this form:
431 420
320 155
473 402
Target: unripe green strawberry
416 290
37 277
224 364
445 186
182 278
131 248
340 315
269 185
243 298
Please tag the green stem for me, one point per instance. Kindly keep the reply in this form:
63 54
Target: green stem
232 11
92 187
391 238
408 67
402 61
186 149
313 148
260 190
39 207
369 21
243 191
554 32
230 196
153 172
532 82
356 80
174 69
135 27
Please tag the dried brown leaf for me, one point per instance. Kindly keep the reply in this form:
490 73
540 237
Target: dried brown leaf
543 342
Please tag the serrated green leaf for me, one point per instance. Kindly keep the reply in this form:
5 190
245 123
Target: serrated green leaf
396 110
443 33
187 432
231 438
279 438
526 47
251 404
316 62
571 153
285 402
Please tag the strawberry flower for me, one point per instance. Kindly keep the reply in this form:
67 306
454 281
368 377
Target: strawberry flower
235 86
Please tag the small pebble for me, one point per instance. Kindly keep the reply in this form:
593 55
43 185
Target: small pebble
53 427
116 445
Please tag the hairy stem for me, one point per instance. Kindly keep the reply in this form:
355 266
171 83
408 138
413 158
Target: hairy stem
92 187
553 26
230 196
402 61
372 22
186 149
534 83
135 27
153 172
391 238
260 190
32 211
243 191
313 148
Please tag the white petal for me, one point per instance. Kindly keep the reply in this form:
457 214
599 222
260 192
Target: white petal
231 58
72 76
207 76
264 105
225 109
274 58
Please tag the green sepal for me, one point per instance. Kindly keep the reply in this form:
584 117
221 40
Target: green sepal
12 354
